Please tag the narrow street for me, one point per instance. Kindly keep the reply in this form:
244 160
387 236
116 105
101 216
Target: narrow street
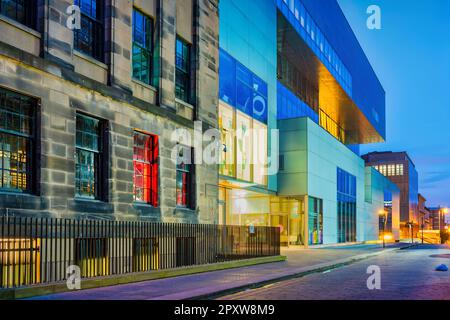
405 275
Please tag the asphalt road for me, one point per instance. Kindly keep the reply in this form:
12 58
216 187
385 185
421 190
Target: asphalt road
404 275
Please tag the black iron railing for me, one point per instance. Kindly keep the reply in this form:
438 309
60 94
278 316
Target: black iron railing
40 250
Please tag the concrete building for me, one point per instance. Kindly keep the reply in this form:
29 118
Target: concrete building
425 219
400 169
87 115
296 66
438 217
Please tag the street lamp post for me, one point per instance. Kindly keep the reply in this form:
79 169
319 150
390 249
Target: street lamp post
423 225
411 226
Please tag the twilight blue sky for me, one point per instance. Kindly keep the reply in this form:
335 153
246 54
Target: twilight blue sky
411 56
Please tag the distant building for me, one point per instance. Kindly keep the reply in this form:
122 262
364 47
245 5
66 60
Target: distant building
400 169
437 218
424 212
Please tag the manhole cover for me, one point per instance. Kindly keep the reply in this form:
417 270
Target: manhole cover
442 256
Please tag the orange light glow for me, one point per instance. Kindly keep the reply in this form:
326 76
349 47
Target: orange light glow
388 237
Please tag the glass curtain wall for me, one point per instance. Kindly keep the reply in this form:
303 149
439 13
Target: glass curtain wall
315 221
346 206
244 146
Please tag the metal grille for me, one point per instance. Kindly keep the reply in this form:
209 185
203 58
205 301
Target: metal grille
39 250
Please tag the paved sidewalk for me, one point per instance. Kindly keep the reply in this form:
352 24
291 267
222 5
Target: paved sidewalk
199 285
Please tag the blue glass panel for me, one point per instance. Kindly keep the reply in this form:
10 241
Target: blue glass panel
242 89
227 76
260 108
290 106
244 75
244 97
260 86
387 196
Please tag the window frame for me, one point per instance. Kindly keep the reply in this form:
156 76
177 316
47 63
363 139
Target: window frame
96 33
100 161
186 72
152 163
190 179
149 22
32 163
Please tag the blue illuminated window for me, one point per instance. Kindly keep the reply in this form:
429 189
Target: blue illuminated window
142 46
182 81
89 39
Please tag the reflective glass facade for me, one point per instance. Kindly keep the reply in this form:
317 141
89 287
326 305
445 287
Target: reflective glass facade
248 60
307 28
346 206
366 91
291 106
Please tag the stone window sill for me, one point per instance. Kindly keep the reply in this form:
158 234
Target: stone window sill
90 206
184 210
143 84
89 59
20 26
184 103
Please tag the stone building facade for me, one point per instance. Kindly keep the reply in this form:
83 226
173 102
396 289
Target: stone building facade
40 60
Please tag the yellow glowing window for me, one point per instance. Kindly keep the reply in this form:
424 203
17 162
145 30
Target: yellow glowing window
259 153
19 262
226 126
243 146
16 141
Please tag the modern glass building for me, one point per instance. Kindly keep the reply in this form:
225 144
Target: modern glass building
297 67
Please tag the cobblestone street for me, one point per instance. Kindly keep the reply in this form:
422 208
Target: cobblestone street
405 275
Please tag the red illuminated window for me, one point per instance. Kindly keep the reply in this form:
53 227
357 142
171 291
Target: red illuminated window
145 162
